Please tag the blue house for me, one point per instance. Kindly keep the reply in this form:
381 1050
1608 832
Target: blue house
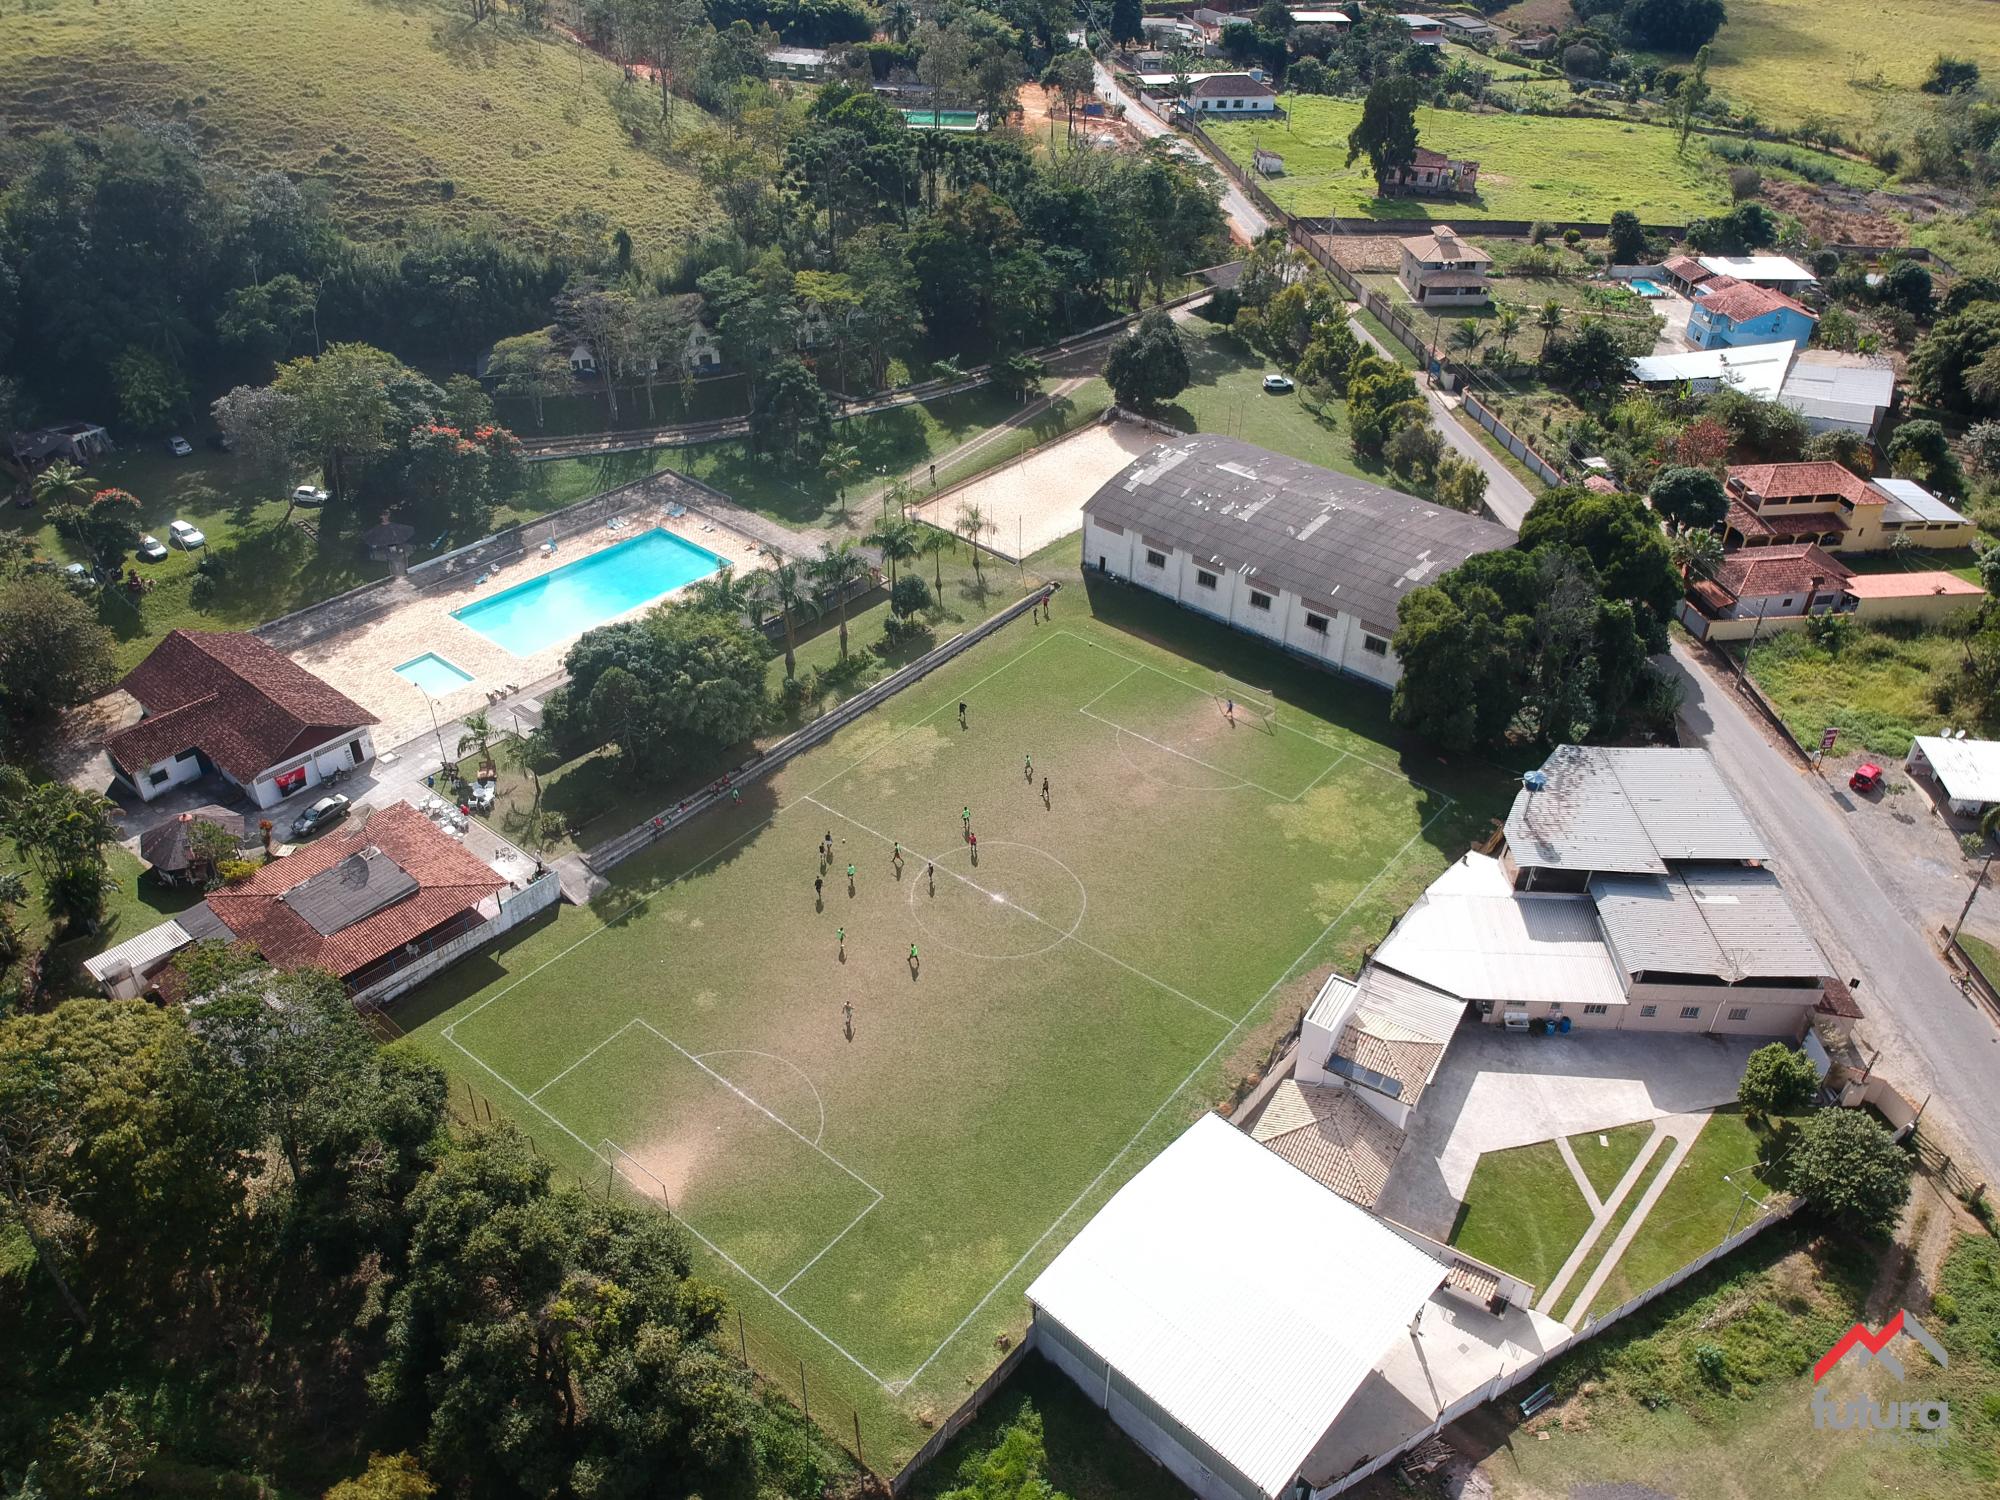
1729 313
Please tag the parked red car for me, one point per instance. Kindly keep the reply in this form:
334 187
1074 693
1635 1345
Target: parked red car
1866 778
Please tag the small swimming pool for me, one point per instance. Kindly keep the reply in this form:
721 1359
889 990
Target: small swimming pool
1647 288
581 595
944 119
433 674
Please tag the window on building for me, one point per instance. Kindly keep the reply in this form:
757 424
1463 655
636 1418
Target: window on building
1690 1012
1259 601
1649 1011
1155 559
187 755
1555 1007
1374 645
1739 1013
1316 623
159 778
1205 580
1596 1010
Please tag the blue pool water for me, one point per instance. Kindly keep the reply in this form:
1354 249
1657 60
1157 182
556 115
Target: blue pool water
1647 288
433 674
583 594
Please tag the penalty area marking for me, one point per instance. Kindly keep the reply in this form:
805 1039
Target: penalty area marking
1083 905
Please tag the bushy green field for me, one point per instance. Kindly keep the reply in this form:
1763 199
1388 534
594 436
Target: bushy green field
1530 166
407 112
877 1201
1843 60
1879 690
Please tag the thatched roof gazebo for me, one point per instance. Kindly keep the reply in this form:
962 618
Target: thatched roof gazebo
169 847
387 540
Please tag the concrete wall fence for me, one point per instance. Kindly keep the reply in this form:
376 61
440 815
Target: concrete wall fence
1512 441
409 971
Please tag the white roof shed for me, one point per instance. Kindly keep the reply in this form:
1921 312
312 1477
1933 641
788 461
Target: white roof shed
1238 1296
1968 770
1763 270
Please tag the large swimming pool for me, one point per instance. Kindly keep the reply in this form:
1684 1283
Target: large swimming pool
583 594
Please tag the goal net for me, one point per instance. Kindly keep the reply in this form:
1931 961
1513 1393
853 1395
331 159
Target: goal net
627 1168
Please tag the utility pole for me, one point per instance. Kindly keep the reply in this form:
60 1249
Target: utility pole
1971 895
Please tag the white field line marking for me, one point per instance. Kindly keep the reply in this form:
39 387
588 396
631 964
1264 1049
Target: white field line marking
1063 934
1276 796
804 1076
1124 1150
1108 691
721 1254
748 833
782 1124
828 1246
585 1058
1289 729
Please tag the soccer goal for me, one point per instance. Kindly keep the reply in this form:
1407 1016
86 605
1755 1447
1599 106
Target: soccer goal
622 1164
1252 706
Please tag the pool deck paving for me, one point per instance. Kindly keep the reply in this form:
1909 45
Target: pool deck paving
361 661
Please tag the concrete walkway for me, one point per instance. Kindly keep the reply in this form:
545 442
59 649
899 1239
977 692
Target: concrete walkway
1682 1129
1582 1177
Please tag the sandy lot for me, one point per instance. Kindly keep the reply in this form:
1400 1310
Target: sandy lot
1040 499
361 662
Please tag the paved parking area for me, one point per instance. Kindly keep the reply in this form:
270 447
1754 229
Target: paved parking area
1499 1089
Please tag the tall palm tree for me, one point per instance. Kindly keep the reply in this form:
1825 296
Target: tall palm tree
723 592
1466 335
478 736
60 481
788 587
972 524
836 568
1696 553
840 463
1549 319
896 539
933 542
1507 325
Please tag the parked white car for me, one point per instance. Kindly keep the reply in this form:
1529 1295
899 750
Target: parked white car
1278 385
309 494
180 447
150 550
185 536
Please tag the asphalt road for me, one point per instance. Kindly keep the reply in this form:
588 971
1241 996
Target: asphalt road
1506 496
1245 219
1935 1040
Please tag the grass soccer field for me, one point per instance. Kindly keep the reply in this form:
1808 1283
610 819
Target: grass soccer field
877 1199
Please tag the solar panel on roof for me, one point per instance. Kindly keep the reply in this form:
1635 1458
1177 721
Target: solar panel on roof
1382 1083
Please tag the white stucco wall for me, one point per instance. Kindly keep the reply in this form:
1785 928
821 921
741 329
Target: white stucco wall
1342 646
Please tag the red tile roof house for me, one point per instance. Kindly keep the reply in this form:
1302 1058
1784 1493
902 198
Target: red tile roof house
1758 590
227 702
1433 173
356 903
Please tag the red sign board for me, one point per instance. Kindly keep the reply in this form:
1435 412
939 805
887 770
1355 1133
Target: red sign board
1826 740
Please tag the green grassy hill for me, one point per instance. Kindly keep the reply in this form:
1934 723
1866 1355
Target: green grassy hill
1856 63
407 113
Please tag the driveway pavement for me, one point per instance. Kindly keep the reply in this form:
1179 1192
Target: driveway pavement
1936 1044
1499 1089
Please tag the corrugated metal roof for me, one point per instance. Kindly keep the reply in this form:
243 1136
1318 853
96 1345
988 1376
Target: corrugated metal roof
1756 267
1754 369
1736 924
139 953
1334 541
1968 770
1910 501
1846 380
1255 1341
1472 936
1631 810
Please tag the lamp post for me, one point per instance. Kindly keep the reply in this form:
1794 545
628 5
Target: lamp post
437 730
1972 895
